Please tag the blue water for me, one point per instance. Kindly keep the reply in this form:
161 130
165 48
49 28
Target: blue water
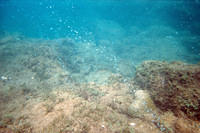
126 31
60 18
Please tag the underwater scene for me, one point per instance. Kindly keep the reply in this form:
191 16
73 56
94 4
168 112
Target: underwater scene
99 66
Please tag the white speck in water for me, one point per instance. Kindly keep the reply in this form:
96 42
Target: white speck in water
51 28
76 32
60 20
102 126
4 78
132 124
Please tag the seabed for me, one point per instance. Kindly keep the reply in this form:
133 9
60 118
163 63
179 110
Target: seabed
56 86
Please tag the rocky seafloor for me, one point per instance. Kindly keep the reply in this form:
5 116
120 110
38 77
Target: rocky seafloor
54 86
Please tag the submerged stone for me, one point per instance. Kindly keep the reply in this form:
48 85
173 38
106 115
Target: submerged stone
173 86
141 104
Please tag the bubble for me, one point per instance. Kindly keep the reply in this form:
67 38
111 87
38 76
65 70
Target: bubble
76 31
60 20
51 28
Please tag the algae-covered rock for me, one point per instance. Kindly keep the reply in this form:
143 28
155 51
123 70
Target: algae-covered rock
173 86
142 104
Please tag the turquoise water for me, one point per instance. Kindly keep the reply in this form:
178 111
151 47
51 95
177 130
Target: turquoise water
55 19
116 31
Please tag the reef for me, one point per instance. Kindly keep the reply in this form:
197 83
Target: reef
57 86
173 86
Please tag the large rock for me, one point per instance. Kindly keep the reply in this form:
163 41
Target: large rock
173 86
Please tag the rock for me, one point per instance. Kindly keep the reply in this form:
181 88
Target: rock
173 86
141 105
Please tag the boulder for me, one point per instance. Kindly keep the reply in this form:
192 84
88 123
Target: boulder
173 86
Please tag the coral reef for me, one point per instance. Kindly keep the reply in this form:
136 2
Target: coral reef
173 86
